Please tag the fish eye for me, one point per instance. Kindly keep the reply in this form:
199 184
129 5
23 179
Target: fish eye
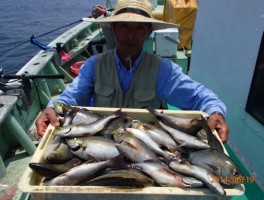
76 148
235 173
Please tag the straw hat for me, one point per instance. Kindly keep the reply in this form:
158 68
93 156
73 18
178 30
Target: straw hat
132 11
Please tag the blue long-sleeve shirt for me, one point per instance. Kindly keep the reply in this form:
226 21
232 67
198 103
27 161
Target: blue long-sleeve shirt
173 86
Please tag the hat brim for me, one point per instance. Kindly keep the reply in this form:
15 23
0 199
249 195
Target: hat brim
131 17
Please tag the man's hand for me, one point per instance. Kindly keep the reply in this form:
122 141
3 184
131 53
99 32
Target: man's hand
98 11
48 116
217 122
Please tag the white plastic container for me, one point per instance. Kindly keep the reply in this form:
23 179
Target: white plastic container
32 183
166 42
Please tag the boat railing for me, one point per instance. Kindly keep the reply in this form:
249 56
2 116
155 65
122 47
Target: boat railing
20 111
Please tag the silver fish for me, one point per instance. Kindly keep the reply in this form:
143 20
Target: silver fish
134 149
121 122
161 174
185 139
218 163
58 151
186 125
200 173
85 116
151 144
98 147
75 115
87 129
157 134
85 172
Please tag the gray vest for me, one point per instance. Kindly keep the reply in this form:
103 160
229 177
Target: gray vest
142 92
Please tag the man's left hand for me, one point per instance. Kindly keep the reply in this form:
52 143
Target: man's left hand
217 122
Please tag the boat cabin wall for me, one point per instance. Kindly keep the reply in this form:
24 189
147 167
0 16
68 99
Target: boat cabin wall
226 45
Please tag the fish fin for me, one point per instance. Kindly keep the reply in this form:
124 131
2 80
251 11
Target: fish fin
125 143
181 145
91 159
146 127
214 168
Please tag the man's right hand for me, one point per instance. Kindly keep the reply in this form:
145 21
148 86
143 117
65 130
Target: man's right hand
98 11
48 116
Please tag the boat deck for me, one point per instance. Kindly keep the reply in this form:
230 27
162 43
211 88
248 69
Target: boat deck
15 167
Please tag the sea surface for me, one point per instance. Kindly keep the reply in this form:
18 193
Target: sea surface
20 19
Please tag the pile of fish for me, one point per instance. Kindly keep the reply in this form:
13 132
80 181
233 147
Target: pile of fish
116 150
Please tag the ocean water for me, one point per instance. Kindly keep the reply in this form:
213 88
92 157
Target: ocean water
20 19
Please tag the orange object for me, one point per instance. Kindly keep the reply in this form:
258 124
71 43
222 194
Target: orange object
75 68
182 12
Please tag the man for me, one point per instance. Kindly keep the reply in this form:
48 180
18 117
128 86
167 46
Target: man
129 77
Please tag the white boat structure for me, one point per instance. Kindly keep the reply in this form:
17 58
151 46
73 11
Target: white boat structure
227 56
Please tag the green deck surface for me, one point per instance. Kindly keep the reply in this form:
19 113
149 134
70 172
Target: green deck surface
253 190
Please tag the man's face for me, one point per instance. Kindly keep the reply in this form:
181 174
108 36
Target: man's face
130 36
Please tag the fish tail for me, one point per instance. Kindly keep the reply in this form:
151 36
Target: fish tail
213 142
119 113
118 161
162 118
168 158
152 110
155 113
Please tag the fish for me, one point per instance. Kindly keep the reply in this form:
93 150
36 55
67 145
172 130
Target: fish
123 177
157 134
185 125
99 148
185 139
151 144
111 127
52 170
201 174
161 174
75 115
85 129
218 163
58 151
84 172
192 181
135 149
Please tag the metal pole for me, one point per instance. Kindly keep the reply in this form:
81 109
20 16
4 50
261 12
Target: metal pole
18 132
